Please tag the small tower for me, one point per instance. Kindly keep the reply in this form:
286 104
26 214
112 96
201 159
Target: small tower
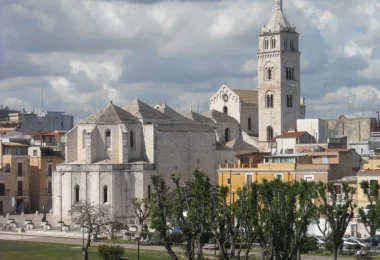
278 77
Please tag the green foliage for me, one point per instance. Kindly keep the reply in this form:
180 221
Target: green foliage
309 244
371 220
142 209
337 209
144 234
110 252
155 238
176 238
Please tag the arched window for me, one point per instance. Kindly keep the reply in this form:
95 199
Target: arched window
249 123
76 193
269 133
269 74
266 44
273 43
289 100
105 194
269 99
108 138
227 135
149 192
131 139
225 110
84 139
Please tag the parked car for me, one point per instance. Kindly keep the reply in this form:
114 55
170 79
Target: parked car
375 240
353 243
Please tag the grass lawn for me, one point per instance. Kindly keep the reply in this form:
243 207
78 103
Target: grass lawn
12 250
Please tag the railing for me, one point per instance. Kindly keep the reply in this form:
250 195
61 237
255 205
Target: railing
5 167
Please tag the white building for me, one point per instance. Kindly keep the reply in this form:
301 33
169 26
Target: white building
316 127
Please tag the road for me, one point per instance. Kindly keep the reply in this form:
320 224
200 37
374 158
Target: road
78 242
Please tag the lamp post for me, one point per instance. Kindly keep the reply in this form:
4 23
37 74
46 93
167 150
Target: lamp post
61 200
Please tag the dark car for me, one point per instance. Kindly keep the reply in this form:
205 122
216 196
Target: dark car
375 240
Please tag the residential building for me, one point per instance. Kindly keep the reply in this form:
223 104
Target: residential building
285 143
46 152
14 178
372 164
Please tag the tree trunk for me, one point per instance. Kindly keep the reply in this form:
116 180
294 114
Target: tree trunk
199 245
170 252
335 253
84 253
232 245
190 249
86 246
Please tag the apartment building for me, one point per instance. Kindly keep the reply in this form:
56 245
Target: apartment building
14 178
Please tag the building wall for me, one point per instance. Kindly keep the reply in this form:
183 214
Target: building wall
317 128
284 143
233 104
72 145
372 164
183 152
356 129
362 199
221 130
249 111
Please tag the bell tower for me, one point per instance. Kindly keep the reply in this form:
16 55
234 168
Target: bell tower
278 77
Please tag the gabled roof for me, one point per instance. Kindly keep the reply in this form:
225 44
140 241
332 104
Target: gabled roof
109 115
169 112
141 110
219 116
197 117
247 96
239 145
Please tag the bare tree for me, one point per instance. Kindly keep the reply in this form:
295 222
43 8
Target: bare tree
97 219
141 208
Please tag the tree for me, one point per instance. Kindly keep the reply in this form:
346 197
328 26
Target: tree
284 210
141 207
97 219
371 216
161 210
191 210
336 209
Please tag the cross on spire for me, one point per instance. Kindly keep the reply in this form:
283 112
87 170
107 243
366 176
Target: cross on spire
278 4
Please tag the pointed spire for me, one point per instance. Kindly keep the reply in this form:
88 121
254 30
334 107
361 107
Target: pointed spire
278 4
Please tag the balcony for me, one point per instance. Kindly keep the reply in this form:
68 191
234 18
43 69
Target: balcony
5 168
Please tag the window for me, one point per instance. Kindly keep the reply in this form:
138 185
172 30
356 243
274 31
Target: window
325 160
76 193
286 44
225 110
273 43
105 194
149 192
131 139
227 135
290 73
19 188
289 100
84 139
49 187
338 189
266 44
308 178
49 170
269 100
269 74
249 124
34 152
292 45
108 139
279 176
229 181
269 133
2 189
249 179
19 169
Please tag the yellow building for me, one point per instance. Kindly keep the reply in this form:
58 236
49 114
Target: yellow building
14 178
370 176
372 164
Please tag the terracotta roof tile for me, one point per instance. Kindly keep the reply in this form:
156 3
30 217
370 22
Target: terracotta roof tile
368 172
292 134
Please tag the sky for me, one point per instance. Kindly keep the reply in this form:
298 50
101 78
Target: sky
80 54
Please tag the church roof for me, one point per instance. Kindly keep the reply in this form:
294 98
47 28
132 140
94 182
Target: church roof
197 117
239 145
169 112
247 96
219 116
188 128
278 22
111 114
141 110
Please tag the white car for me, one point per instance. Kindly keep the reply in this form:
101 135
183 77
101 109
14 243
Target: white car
353 243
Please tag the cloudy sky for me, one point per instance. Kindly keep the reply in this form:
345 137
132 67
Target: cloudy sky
82 53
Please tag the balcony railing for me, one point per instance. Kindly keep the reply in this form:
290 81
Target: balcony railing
236 165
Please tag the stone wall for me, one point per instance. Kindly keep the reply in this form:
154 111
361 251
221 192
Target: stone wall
356 129
233 104
249 111
71 148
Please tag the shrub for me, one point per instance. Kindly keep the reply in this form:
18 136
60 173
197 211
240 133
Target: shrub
309 244
156 238
145 233
206 237
110 252
176 238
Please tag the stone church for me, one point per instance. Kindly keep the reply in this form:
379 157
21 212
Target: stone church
111 155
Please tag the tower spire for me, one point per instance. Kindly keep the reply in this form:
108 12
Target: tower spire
278 4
